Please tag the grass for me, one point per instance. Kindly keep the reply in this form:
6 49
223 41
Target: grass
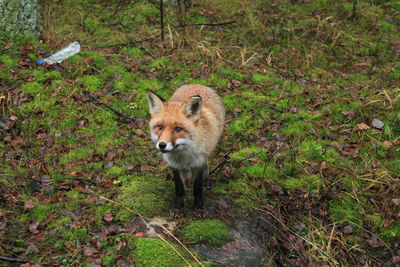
296 79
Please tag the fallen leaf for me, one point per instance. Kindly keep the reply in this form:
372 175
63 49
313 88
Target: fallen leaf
108 217
120 245
140 133
29 204
374 242
33 227
146 168
348 229
139 234
363 126
388 223
89 251
387 144
396 201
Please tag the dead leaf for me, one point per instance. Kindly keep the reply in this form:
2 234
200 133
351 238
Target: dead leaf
140 133
108 217
396 201
89 251
363 126
348 229
388 223
29 204
387 144
277 189
139 234
146 168
120 245
33 227
374 242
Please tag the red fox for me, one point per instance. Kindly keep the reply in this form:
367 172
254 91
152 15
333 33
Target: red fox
186 129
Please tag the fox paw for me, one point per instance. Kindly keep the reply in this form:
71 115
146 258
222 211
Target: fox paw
176 213
200 213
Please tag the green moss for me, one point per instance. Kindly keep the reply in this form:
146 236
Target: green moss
311 150
212 232
229 73
260 170
74 234
97 60
115 170
91 24
392 232
40 211
346 208
40 103
76 155
244 125
258 152
152 252
92 83
260 78
32 88
145 195
296 128
309 182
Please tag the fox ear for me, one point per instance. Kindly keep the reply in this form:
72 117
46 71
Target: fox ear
156 102
192 107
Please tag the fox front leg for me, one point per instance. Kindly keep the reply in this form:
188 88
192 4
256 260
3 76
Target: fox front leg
177 211
200 174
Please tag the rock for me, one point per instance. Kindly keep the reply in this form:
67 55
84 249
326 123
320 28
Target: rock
378 124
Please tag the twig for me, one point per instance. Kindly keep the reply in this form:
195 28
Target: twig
134 42
131 41
12 259
96 101
162 22
207 24
233 161
273 107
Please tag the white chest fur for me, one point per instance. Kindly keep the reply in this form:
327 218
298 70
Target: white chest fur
184 159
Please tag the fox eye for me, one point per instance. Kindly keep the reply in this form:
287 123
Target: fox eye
178 129
160 127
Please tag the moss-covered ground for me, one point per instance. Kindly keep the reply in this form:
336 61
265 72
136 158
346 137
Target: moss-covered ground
302 82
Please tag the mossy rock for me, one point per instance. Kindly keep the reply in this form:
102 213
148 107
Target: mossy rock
213 232
155 252
145 195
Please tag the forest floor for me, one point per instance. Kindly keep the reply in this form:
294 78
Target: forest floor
308 168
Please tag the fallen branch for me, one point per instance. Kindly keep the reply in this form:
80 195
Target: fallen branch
134 42
119 113
233 161
207 24
12 259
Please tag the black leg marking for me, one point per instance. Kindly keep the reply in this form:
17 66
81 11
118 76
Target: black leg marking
199 175
177 212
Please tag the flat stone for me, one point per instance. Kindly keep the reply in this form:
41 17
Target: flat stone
378 124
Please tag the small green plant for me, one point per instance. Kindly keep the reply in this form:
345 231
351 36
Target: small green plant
212 232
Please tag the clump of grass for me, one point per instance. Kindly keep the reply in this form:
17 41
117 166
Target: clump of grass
212 232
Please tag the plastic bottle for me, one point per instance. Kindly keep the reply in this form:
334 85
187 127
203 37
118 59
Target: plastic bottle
61 55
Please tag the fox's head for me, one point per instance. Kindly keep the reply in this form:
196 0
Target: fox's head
173 124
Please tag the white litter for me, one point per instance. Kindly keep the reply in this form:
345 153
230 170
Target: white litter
61 55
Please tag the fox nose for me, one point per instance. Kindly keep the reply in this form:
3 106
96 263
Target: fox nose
162 145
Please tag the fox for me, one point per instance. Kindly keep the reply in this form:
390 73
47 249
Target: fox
186 129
